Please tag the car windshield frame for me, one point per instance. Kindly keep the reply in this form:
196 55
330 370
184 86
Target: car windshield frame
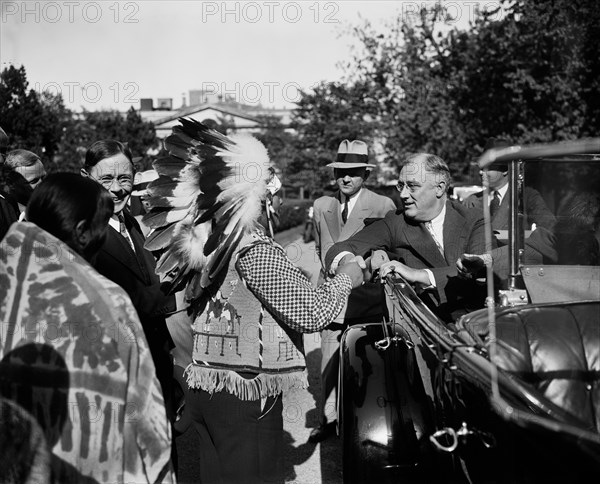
580 151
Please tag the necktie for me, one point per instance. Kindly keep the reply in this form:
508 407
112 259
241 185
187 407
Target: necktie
495 203
124 232
429 227
345 212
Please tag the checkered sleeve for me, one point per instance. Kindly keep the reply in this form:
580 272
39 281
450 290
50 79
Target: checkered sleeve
287 293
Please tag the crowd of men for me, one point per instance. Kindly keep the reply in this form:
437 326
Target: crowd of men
85 347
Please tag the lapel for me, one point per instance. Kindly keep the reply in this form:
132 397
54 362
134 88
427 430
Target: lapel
356 219
119 249
138 242
500 220
333 218
455 234
419 238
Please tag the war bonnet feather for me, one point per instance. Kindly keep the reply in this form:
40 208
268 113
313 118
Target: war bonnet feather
208 195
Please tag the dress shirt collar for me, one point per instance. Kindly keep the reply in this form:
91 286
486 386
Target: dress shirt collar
114 223
351 201
501 193
437 223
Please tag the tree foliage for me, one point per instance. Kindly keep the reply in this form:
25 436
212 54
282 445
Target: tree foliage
529 77
32 120
323 118
91 126
40 122
528 71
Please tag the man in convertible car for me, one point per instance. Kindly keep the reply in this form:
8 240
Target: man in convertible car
575 240
536 213
425 238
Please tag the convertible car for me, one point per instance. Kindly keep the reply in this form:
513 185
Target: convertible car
509 392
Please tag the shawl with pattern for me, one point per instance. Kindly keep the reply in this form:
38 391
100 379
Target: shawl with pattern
74 355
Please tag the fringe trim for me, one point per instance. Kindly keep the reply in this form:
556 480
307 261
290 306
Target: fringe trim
263 385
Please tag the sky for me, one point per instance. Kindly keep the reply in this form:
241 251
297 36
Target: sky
110 54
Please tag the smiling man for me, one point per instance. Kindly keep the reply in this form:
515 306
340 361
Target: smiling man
123 258
426 238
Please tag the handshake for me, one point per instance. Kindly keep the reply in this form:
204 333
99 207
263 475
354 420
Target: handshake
361 270
357 268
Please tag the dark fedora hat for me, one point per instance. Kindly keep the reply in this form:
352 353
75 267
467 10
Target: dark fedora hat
497 143
352 154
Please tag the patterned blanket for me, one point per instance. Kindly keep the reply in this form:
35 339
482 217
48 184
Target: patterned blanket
74 355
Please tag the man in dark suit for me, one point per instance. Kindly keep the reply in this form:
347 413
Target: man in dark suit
337 218
535 209
123 259
425 238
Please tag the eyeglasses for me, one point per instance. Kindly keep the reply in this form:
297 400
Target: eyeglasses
124 181
412 187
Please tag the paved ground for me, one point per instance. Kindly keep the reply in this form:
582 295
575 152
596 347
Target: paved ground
304 463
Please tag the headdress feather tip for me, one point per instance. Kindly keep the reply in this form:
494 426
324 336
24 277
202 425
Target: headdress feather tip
222 182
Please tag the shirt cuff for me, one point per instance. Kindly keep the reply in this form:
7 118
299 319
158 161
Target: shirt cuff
336 261
432 284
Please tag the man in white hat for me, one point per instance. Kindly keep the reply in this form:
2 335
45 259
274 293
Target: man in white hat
335 219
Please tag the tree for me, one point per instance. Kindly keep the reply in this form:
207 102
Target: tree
394 96
92 126
279 141
531 76
40 122
405 70
322 119
33 121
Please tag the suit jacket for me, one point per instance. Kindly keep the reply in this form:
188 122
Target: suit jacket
535 210
135 272
327 217
412 244
364 303
9 213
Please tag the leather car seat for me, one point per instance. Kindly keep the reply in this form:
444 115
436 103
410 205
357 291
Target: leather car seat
556 348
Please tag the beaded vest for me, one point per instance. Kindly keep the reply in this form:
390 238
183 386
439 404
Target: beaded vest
235 334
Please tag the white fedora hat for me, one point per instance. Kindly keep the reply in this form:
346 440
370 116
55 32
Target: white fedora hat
352 154
145 177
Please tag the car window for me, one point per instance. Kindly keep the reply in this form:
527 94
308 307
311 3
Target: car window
564 199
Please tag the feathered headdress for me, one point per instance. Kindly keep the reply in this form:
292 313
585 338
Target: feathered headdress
208 195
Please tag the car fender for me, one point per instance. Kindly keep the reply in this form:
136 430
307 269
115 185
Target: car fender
383 409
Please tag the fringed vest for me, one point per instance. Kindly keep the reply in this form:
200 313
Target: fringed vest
235 334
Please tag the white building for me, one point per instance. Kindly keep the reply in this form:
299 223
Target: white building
211 110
